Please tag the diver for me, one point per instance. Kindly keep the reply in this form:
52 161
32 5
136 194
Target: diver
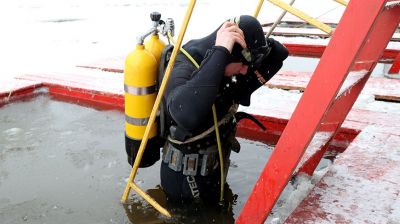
235 60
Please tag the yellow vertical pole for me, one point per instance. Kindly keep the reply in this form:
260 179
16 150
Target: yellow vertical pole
260 3
157 105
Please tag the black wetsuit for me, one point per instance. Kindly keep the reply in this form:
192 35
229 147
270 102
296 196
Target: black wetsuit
189 96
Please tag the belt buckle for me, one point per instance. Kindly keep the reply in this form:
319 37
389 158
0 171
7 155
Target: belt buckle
190 163
167 152
175 162
207 163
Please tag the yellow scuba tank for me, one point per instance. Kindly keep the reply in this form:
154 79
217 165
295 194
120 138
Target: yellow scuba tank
155 46
140 85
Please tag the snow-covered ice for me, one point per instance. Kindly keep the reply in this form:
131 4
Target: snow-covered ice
44 35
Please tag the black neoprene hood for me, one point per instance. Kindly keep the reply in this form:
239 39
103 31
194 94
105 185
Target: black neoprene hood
253 34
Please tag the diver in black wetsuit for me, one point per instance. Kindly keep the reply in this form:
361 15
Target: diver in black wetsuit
234 60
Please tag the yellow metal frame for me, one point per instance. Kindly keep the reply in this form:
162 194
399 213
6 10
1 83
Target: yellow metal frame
278 20
283 5
260 3
131 185
343 2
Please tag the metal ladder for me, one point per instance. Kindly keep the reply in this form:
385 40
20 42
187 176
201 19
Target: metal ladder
358 42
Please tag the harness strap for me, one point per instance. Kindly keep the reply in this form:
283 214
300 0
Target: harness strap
205 161
243 115
231 113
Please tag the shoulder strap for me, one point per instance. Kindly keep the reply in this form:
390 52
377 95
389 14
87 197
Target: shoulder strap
231 114
163 118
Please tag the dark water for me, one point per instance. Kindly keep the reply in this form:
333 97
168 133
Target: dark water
64 163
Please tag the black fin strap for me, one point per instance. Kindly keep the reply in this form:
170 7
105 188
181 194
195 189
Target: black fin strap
243 115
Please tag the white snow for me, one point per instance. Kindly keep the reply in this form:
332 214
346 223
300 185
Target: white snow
352 78
363 195
292 196
44 35
377 198
392 4
260 102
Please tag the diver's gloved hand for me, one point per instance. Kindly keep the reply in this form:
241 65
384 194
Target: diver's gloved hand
273 61
270 64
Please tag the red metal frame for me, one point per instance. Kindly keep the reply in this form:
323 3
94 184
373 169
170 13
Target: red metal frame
333 120
320 110
316 51
395 68
17 94
275 126
100 100
303 50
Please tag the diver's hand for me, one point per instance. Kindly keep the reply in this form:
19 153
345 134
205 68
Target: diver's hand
228 35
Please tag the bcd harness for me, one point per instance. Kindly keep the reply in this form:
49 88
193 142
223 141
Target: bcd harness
187 153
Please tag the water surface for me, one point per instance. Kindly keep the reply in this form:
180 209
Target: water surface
64 163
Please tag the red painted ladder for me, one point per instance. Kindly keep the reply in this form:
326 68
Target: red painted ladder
361 36
395 68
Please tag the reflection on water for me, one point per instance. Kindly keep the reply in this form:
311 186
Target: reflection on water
73 160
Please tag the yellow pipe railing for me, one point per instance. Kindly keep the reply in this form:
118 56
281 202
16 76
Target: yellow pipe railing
149 199
153 114
260 3
322 26
343 2
278 20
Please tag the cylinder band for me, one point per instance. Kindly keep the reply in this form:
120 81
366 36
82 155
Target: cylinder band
140 90
136 121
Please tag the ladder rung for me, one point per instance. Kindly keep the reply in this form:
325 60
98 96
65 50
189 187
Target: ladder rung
392 3
352 79
319 140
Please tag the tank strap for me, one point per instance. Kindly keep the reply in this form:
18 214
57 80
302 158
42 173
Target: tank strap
136 121
224 120
138 91
163 118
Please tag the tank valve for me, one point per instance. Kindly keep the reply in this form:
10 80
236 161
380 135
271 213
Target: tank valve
169 26
155 17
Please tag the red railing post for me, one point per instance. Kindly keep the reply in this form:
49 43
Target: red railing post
395 68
